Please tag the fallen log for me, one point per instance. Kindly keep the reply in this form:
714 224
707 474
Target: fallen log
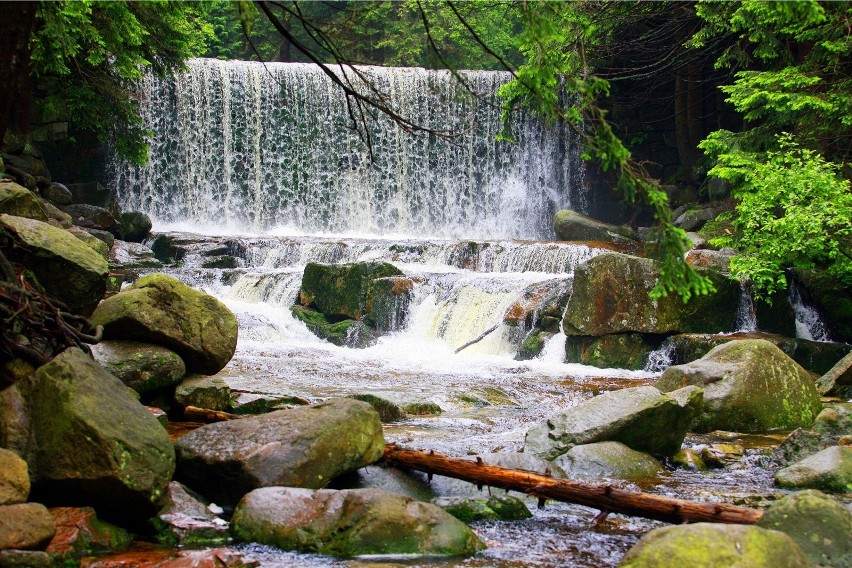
606 498
481 336
207 415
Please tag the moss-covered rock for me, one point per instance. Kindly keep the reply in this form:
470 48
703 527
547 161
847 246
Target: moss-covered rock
533 344
301 447
345 333
710 545
619 350
67 269
141 366
14 478
54 213
642 418
204 392
494 508
21 202
422 409
91 241
610 460
388 411
611 296
160 309
388 300
572 226
350 523
821 526
837 376
749 386
829 470
342 290
96 444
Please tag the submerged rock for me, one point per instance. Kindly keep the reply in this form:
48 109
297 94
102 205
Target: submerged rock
141 366
346 333
711 545
67 269
349 523
642 418
300 447
821 526
829 470
617 350
749 386
611 296
609 460
162 310
494 508
572 226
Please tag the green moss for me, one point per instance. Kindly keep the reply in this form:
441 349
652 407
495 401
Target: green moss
388 411
422 409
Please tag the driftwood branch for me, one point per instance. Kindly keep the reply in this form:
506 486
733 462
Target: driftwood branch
606 498
207 415
482 336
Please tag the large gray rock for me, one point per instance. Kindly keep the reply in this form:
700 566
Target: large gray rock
25 526
134 226
349 523
212 393
611 296
67 269
821 526
96 445
610 460
711 545
749 386
126 255
300 447
839 375
829 470
91 216
572 226
141 366
20 201
162 310
642 418
14 478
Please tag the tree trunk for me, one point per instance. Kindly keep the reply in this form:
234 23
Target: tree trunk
606 498
15 33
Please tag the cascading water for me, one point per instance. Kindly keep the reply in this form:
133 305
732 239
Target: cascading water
253 146
809 323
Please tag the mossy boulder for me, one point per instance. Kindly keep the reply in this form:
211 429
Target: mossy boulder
160 309
388 411
350 523
572 226
821 526
301 447
141 366
134 226
618 350
388 300
611 296
21 202
345 333
829 470
749 386
342 290
204 392
711 545
610 460
96 444
65 267
91 241
14 478
494 508
642 418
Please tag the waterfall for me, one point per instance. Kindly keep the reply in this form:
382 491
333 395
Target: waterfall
746 313
253 147
809 323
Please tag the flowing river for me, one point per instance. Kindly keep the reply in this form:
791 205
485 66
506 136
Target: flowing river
260 159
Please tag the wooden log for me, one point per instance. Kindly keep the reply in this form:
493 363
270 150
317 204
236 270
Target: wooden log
207 415
481 336
606 498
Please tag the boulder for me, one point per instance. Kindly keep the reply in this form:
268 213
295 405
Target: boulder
125 255
349 523
694 218
821 526
711 545
800 444
829 470
261 403
204 392
54 213
25 526
642 418
67 269
105 236
79 532
494 508
722 454
388 300
134 226
91 241
141 366
816 356
91 216
21 202
611 296
58 194
96 444
343 290
14 478
345 333
617 350
749 386
300 447
388 411
162 310
186 520
539 306
609 460
93 193
839 375
572 226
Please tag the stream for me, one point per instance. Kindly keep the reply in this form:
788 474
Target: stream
488 399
